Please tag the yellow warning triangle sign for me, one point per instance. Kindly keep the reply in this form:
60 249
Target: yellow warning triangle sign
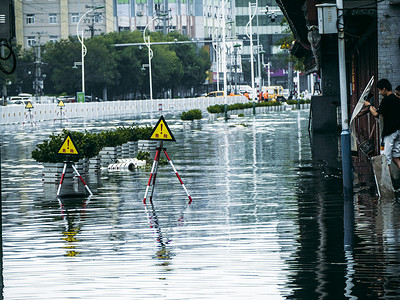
29 105
161 131
68 147
61 103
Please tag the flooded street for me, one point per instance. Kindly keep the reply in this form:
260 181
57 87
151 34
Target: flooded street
266 221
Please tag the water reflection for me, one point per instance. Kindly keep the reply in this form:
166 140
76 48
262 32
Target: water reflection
163 253
268 220
73 212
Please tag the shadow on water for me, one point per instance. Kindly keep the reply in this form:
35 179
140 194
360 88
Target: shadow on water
1 231
357 261
318 264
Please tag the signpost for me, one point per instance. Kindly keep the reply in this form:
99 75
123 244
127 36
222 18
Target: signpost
68 148
61 105
29 115
80 97
161 132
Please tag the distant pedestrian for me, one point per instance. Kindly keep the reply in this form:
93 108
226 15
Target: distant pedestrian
265 96
390 110
246 94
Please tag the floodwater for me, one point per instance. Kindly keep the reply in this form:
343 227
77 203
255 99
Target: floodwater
266 221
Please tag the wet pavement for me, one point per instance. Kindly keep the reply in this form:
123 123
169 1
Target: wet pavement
266 222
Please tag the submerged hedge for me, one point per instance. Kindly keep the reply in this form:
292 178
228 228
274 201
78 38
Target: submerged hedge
220 108
88 144
193 114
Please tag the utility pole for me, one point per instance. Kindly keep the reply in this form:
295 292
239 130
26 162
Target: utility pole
92 18
345 135
4 86
38 82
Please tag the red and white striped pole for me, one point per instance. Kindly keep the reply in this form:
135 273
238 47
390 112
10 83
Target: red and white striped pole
177 175
84 183
62 179
153 168
155 175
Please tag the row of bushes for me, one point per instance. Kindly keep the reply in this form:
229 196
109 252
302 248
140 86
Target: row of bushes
300 101
88 144
220 108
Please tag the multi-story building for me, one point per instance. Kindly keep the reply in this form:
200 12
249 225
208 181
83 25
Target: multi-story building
267 29
40 21
194 18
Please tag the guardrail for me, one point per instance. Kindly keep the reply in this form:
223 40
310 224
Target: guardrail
18 114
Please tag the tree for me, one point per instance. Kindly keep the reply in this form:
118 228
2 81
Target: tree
129 62
100 65
59 58
167 70
116 68
285 43
21 80
195 62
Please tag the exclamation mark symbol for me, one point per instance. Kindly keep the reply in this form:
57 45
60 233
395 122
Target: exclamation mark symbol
161 128
68 144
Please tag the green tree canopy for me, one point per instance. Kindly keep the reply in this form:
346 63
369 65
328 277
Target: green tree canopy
118 69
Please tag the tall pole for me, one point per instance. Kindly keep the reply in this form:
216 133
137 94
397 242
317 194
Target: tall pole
83 53
236 79
345 135
150 54
83 47
150 76
250 35
224 58
4 87
258 52
217 52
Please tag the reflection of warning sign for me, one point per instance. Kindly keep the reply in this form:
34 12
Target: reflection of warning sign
161 131
68 147
61 104
29 105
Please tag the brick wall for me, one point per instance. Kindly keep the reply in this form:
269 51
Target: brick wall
388 42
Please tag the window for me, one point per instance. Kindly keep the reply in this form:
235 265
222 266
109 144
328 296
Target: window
52 18
31 41
98 18
53 38
75 18
30 19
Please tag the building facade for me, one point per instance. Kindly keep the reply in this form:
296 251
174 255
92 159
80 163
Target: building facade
40 21
193 18
267 29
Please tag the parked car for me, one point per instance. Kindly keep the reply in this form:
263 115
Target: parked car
216 94
219 94
19 100
66 99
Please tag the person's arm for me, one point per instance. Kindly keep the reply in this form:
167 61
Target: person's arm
371 109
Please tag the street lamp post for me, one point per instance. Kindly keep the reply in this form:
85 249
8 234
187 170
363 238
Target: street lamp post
83 48
236 46
262 52
250 35
148 45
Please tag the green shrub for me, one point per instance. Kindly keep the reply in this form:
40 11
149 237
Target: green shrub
194 114
88 144
215 109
